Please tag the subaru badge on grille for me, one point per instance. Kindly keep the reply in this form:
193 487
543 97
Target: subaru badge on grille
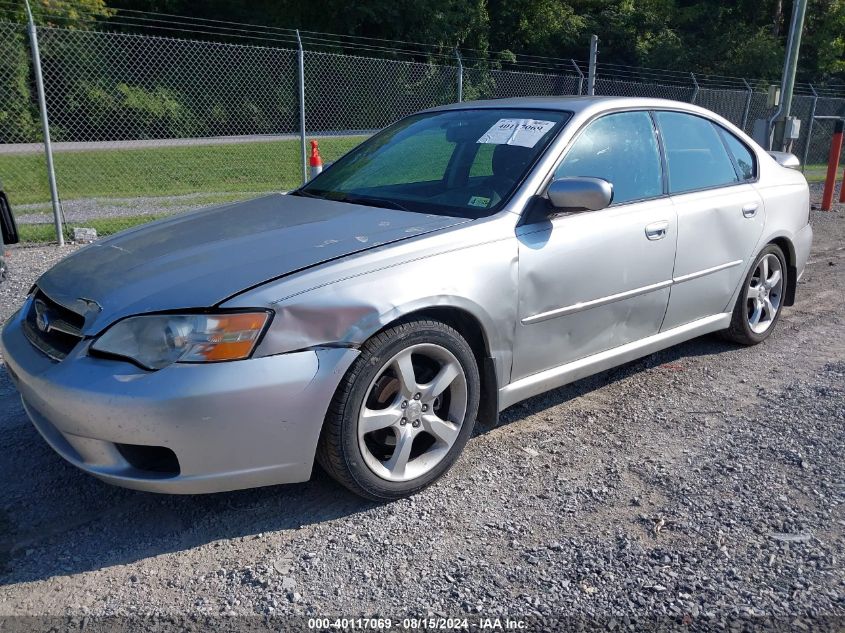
42 316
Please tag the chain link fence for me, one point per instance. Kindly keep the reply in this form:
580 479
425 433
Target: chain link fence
144 126
479 83
347 97
23 165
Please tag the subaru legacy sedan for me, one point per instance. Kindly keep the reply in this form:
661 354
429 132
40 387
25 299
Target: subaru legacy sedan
463 259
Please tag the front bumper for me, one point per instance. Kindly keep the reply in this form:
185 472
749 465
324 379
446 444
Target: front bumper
231 425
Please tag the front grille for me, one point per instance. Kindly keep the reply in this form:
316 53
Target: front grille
51 327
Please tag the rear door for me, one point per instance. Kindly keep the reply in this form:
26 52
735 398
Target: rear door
720 214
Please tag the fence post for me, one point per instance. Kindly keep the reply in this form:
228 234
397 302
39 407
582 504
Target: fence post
747 110
594 53
460 75
695 90
580 77
300 54
45 125
810 129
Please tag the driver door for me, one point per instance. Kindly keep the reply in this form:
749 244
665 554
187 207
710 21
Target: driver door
591 281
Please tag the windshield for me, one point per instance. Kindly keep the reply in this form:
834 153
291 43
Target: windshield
463 163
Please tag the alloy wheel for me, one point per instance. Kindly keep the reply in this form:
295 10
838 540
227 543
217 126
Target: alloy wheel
412 412
764 293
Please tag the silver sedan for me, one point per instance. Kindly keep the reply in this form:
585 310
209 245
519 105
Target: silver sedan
463 259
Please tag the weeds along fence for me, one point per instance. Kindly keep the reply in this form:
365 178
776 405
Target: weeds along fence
143 126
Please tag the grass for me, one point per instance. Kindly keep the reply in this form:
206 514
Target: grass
166 171
815 173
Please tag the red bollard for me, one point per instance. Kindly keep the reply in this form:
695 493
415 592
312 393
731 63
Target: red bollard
842 188
833 166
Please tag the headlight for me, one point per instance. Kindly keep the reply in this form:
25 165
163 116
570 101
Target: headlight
156 341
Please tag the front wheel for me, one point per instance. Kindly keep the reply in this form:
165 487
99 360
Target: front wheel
759 304
403 412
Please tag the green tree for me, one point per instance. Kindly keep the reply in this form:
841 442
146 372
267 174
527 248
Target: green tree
64 13
742 37
823 44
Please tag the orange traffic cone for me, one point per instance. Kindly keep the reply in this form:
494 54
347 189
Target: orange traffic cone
316 161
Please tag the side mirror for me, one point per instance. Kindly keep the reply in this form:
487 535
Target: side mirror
8 229
785 159
580 194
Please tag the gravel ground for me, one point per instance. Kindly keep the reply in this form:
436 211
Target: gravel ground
698 488
76 211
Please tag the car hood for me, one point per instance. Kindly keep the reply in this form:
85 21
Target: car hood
199 259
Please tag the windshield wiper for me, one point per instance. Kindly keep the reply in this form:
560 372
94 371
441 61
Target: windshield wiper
373 202
305 194
364 200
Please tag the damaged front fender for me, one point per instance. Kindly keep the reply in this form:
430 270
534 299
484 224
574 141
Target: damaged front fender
345 303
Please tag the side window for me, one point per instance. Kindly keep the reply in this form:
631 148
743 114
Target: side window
743 156
695 154
622 149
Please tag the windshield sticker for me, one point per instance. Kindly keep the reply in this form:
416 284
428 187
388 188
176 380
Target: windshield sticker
522 132
479 201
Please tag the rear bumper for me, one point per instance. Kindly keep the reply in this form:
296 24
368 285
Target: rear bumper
803 242
231 425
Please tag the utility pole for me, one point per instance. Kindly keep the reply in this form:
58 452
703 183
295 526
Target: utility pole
591 77
787 128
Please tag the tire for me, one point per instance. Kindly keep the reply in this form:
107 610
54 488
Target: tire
743 329
377 439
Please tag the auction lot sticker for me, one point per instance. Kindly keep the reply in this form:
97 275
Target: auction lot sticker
522 132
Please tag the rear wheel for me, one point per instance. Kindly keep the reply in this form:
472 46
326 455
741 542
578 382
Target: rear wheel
403 412
758 306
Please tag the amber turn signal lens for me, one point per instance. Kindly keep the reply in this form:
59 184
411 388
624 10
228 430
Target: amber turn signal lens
230 336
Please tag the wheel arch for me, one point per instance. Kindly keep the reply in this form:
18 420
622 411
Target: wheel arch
472 330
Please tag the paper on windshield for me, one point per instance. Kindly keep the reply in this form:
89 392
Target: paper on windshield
522 132
479 201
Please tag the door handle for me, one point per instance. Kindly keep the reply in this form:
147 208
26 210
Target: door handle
750 209
657 230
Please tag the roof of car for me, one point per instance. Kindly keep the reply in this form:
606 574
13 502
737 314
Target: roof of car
570 104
